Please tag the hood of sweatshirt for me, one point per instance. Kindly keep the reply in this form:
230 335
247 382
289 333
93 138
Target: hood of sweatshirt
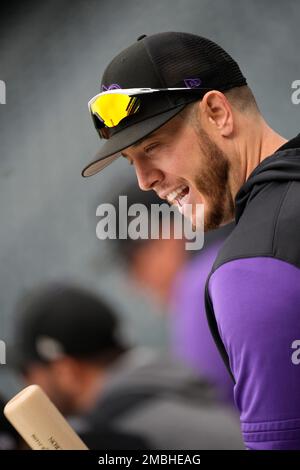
283 165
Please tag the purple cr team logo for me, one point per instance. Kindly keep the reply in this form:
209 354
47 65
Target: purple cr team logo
113 86
192 82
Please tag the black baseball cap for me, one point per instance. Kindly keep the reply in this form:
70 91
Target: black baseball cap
63 320
162 60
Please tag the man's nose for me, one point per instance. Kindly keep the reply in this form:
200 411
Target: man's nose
147 177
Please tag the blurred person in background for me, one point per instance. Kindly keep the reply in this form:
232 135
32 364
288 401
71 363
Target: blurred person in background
190 337
152 264
141 272
68 341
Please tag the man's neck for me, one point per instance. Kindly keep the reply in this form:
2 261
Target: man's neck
260 144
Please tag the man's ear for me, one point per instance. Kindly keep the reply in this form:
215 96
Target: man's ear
218 113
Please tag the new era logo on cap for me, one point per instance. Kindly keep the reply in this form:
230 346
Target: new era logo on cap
192 82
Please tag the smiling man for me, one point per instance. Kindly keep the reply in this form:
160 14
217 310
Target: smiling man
178 108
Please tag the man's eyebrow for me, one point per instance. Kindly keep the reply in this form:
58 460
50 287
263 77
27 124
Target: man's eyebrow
149 136
140 141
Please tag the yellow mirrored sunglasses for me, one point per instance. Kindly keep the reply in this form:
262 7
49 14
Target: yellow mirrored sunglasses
110 107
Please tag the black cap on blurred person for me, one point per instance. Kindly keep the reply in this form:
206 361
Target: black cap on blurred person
160 61
62 320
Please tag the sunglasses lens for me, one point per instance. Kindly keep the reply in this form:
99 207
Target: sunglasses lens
104 132
100 127
112 108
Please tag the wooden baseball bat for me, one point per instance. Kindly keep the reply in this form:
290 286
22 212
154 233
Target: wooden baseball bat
40 423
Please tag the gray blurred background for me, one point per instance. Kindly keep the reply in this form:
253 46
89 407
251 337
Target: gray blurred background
52 55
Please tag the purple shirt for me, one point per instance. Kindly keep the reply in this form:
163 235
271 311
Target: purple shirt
257 307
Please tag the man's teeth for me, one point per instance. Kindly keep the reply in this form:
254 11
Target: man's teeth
174 194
